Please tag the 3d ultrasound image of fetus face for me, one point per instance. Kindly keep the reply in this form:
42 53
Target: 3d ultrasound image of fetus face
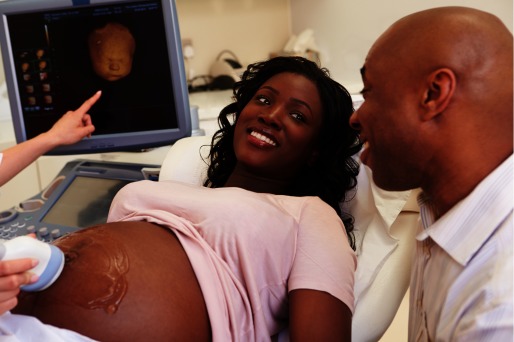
111 49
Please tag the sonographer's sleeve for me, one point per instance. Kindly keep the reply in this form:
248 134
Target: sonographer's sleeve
21 328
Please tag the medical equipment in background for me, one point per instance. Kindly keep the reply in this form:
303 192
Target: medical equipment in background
225 71
79 196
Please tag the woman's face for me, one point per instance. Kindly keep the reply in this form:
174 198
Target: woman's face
277 131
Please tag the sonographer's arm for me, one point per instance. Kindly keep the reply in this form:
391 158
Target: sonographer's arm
22 328
71 128
13 274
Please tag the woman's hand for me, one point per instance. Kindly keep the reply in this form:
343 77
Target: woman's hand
13 274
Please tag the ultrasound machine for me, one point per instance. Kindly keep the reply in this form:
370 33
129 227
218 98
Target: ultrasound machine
146 107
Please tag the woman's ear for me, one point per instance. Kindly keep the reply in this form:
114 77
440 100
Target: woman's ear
439 91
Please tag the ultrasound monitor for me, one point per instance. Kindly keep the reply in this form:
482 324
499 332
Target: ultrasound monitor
58 53
78 197
84 201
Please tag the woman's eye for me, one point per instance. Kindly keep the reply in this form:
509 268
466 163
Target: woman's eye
262 99
298 117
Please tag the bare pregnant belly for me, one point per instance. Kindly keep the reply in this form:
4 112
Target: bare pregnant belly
124 281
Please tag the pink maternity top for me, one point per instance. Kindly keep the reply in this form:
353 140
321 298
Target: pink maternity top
248 250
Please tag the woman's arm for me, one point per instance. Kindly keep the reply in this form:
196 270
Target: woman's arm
71 128
318 316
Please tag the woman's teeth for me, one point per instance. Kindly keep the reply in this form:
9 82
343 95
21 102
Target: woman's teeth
263 138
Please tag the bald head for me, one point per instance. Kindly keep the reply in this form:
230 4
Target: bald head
476 45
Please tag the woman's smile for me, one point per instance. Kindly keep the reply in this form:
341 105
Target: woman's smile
261 139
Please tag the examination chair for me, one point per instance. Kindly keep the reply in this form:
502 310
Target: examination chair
385 224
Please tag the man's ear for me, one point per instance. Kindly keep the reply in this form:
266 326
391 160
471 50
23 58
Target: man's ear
439 90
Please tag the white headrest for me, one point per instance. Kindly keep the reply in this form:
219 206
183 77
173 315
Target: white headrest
187 160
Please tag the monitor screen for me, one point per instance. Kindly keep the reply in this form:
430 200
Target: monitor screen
58 53
85 202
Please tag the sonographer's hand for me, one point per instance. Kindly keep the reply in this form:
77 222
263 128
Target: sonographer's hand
74 125
70 128
13 274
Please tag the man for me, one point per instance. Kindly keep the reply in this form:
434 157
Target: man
438 114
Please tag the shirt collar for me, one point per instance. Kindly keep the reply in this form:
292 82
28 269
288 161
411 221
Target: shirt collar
467 226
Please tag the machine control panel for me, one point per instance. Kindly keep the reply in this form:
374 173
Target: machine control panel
78 197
